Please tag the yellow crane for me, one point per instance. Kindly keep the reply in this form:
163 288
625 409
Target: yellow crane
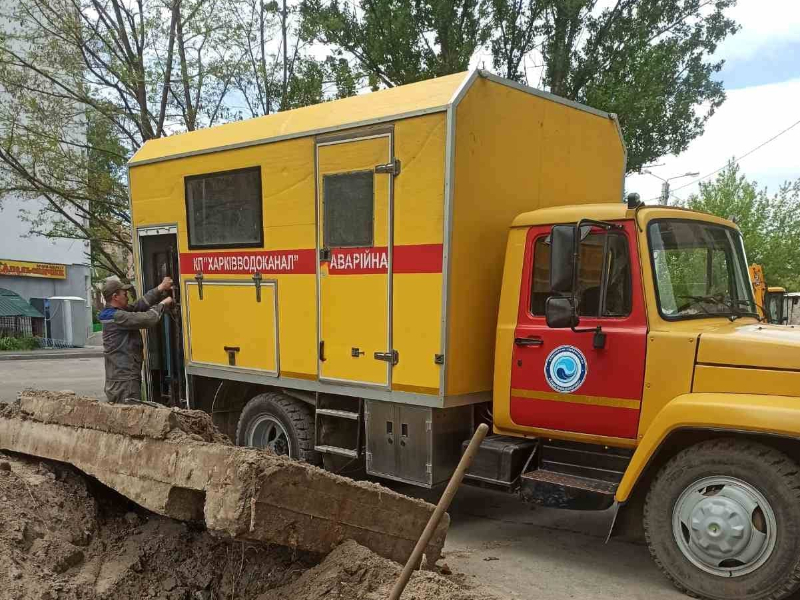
769 299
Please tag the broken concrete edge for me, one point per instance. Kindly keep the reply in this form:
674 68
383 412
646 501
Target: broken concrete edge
242 492
136 421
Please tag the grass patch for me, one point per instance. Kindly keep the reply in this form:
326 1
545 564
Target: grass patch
15 344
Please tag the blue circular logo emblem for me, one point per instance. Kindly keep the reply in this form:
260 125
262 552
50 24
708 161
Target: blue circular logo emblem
565 369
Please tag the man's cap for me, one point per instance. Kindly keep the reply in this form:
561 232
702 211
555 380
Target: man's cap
113 285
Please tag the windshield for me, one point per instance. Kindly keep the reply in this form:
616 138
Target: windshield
700 270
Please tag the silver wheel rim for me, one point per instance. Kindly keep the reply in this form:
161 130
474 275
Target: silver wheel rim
724 526
267 432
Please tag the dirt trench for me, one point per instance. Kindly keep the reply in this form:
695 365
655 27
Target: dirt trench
66 536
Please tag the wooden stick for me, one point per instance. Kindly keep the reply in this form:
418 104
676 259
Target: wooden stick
441 508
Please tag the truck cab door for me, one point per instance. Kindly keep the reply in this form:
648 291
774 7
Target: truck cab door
560 381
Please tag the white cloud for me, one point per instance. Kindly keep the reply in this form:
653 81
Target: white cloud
765 24
749 117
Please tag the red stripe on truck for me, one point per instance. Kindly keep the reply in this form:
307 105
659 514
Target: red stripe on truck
418 258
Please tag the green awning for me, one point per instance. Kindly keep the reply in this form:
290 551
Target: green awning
14 305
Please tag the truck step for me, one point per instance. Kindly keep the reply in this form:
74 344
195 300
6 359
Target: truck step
342 414
336 450
584 460
563 490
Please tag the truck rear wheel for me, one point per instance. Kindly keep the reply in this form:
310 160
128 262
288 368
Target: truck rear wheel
722 520
279 423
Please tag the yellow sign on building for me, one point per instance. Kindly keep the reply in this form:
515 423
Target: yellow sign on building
22 268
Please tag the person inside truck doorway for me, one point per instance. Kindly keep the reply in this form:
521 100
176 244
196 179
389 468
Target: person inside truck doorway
122 340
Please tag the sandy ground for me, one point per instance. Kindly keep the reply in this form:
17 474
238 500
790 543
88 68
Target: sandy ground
84 376
522 551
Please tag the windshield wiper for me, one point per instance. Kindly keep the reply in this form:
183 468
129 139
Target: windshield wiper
734 314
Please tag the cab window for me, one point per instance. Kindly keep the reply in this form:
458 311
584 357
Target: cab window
590 275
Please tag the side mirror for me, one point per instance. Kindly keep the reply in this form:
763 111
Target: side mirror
560 313
562 258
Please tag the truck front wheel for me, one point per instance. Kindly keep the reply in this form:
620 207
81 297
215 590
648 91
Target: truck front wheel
722 520
279 423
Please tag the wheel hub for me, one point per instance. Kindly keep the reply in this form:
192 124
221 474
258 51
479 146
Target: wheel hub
720 526
267 432
724 526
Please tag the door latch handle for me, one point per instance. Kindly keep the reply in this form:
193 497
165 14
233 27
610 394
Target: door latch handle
530 341
231 350
392 357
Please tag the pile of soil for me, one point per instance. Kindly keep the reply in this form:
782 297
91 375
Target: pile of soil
352 571
65 536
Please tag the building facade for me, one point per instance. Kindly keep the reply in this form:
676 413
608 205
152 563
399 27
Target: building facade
34 267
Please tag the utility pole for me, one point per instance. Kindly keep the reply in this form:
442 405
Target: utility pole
664 198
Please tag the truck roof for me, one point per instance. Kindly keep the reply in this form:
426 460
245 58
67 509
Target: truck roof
424 97
610 211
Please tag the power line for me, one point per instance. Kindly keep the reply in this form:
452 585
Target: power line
745 155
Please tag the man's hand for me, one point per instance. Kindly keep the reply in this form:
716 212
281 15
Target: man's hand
167 302
165 285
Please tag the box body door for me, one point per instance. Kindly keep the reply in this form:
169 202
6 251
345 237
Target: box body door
233 325
355 262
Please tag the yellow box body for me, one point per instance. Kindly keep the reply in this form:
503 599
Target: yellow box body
473 150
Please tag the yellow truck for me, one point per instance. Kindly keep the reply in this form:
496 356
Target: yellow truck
362 282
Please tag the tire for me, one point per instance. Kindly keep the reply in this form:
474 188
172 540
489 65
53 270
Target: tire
727 506
280 423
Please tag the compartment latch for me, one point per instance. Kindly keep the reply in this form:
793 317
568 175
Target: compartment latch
392 168
199 279
390 357
257 280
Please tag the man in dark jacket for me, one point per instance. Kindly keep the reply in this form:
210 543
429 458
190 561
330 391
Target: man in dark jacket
122 341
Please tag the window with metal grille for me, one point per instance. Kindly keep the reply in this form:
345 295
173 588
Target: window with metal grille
348 204
223 210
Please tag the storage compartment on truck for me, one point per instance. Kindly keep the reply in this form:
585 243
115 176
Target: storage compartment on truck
234 324
415 444
381 221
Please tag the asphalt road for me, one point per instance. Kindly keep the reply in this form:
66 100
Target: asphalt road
83 376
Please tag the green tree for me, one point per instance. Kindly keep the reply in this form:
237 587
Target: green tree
770 224
645 60
83 84
400 41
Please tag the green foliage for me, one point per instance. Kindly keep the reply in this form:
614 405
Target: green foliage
645 60
85 84
399 41
770 224
17 344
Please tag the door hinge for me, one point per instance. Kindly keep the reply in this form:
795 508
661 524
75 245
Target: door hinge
322 350
199 279
257 280
324 254
438 359
390 357
392 168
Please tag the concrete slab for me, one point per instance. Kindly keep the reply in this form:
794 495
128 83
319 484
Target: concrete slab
176 464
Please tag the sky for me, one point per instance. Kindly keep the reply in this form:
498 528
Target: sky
762 79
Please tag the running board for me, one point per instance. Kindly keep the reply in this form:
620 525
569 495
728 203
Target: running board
561 490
